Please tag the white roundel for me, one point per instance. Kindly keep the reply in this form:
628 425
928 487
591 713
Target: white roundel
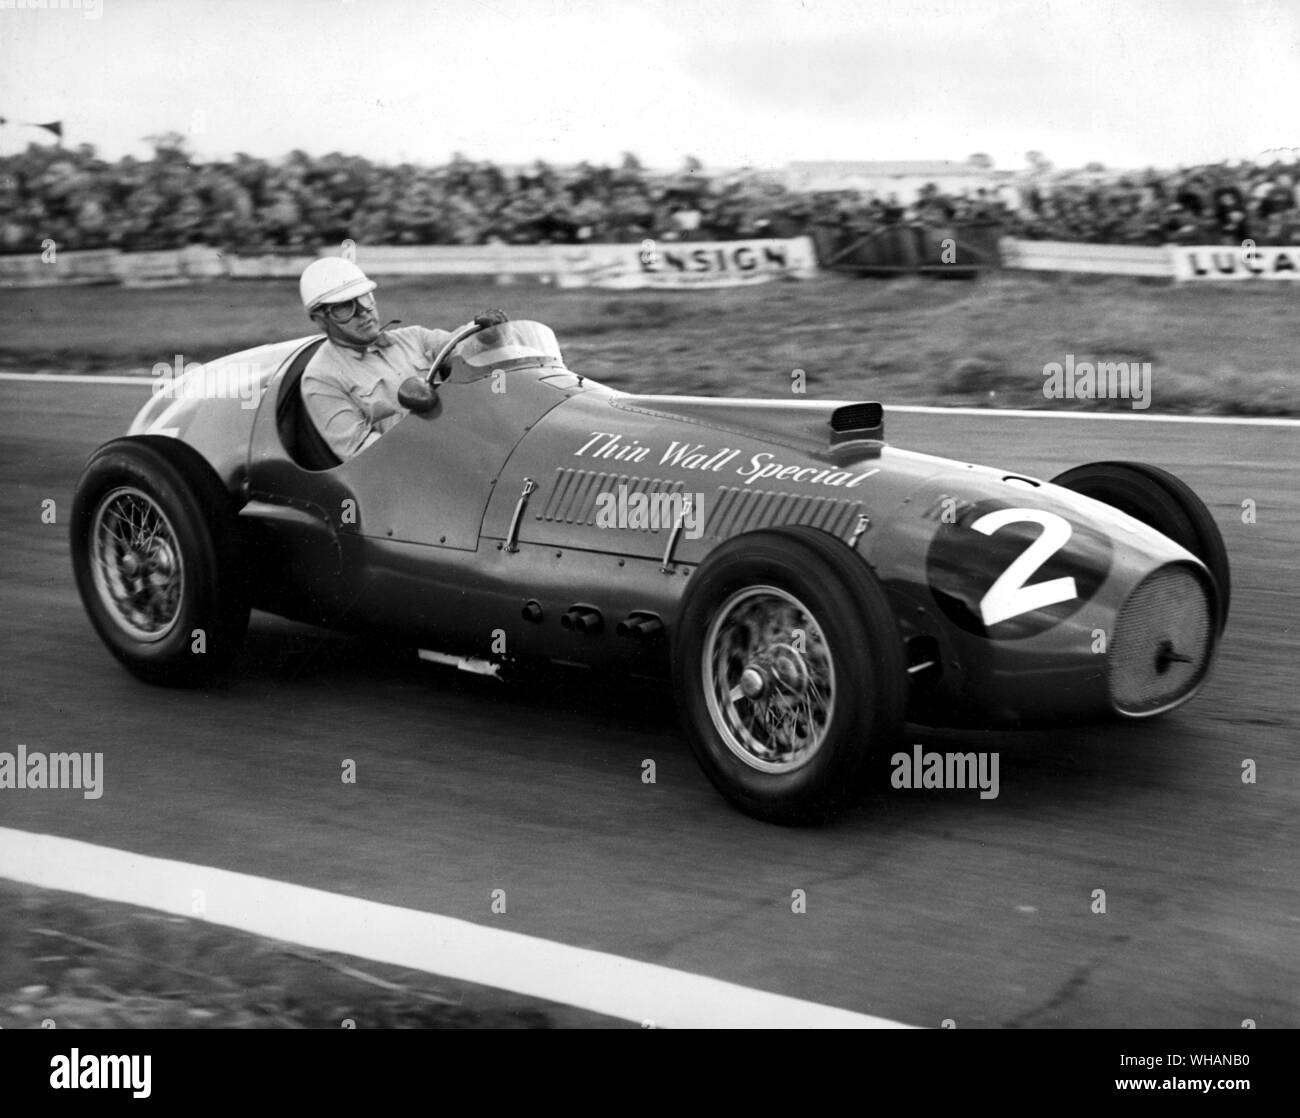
1008 572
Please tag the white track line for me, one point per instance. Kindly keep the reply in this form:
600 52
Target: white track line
1009 413
593 980
78 378
916 409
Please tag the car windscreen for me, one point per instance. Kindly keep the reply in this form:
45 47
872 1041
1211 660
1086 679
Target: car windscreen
511 341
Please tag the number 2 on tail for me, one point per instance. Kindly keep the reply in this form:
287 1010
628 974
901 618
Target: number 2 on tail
1009 596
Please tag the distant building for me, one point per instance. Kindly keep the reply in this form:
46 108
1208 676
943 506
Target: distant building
903 179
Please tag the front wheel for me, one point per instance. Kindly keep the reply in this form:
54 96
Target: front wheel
157 560
1161 501
789 671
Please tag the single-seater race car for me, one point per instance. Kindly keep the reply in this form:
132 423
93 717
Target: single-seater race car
806 587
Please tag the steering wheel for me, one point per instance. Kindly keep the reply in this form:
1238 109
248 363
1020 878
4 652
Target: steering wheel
480 322
420 394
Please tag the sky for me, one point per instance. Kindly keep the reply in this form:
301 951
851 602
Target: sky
733 82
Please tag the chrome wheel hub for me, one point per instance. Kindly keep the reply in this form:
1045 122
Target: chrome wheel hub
135 563
769 679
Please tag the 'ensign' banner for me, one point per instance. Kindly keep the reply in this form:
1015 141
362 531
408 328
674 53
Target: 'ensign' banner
685 264
1235 262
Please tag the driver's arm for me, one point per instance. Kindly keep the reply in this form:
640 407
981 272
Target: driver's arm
338 418
430 342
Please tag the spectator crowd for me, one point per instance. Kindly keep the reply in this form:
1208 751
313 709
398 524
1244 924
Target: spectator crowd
82 201
1218 204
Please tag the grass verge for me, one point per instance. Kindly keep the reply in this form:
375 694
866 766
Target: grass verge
72 962
1212 349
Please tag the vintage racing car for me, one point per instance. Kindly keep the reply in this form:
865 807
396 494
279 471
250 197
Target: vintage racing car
806 587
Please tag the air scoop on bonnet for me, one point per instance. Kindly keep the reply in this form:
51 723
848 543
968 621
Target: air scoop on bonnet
857 421
857 431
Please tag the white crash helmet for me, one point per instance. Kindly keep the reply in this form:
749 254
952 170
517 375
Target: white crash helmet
332 279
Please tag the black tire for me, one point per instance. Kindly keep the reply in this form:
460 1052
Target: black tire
777 576
1161 501
157 556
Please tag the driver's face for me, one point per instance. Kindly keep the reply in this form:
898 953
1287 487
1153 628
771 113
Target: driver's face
359 330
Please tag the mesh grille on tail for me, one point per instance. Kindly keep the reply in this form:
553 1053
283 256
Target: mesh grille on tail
1163 637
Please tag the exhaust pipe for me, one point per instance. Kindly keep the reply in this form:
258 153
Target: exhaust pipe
586 620
640 626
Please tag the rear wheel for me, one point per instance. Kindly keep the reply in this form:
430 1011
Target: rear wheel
1161 501
158 563
789 670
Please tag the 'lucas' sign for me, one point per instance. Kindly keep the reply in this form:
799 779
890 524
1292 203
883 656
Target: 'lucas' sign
1236 262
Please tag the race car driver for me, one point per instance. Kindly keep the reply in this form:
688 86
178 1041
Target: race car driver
350 385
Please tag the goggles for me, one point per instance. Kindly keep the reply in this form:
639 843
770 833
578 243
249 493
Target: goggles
347 311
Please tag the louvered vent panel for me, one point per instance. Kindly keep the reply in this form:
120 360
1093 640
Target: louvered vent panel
573 499
734 511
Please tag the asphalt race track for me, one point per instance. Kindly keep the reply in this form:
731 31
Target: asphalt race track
921 906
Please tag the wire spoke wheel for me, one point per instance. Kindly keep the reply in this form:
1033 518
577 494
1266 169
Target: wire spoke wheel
769 679
159 560
788 668
136 564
